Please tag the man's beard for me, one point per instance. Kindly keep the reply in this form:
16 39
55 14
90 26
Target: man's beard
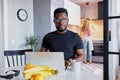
61 30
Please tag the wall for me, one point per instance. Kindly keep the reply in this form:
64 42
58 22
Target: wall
1 35
43 16
42 19
15 30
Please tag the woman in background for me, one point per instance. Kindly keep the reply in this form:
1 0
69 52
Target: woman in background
87 31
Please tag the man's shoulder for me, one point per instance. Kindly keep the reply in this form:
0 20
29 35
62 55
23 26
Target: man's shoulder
50 33
72 33
53 32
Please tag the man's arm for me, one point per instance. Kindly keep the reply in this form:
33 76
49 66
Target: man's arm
80 57
43 49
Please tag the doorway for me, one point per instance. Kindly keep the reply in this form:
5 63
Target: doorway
112 40
94 10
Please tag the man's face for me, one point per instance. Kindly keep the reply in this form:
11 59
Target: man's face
61 21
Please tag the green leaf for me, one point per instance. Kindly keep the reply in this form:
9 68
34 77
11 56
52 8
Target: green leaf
32 42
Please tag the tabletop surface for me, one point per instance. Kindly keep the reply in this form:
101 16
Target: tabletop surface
87 72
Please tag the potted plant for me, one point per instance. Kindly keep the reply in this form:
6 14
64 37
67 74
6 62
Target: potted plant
32 42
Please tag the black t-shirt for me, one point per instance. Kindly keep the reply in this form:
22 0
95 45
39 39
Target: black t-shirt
67 42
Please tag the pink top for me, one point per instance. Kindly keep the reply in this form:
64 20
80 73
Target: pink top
86 33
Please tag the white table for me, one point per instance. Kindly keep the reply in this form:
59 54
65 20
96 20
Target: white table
86 73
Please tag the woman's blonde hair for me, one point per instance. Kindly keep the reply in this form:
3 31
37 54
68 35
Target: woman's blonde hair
86 25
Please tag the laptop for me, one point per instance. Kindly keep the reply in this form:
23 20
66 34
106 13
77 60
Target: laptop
52 59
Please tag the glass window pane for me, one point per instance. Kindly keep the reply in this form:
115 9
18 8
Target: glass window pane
114 35
114 7
114 73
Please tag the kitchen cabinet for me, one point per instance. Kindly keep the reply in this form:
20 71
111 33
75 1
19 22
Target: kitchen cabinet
89 11
100 10
55 4
73 12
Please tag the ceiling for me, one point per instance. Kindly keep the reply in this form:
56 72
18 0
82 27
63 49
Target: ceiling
83 2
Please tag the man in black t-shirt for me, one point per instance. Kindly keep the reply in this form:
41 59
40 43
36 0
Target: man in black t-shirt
63 40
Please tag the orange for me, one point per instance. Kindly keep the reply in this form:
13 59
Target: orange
37 77
28 66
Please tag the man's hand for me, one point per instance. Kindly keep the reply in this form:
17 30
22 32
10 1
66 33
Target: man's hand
67 63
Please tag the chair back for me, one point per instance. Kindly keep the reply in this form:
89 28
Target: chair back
15 57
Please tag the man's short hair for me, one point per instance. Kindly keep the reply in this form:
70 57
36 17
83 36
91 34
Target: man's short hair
60 10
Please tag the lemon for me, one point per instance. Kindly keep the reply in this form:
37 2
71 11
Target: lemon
37 77
28 66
